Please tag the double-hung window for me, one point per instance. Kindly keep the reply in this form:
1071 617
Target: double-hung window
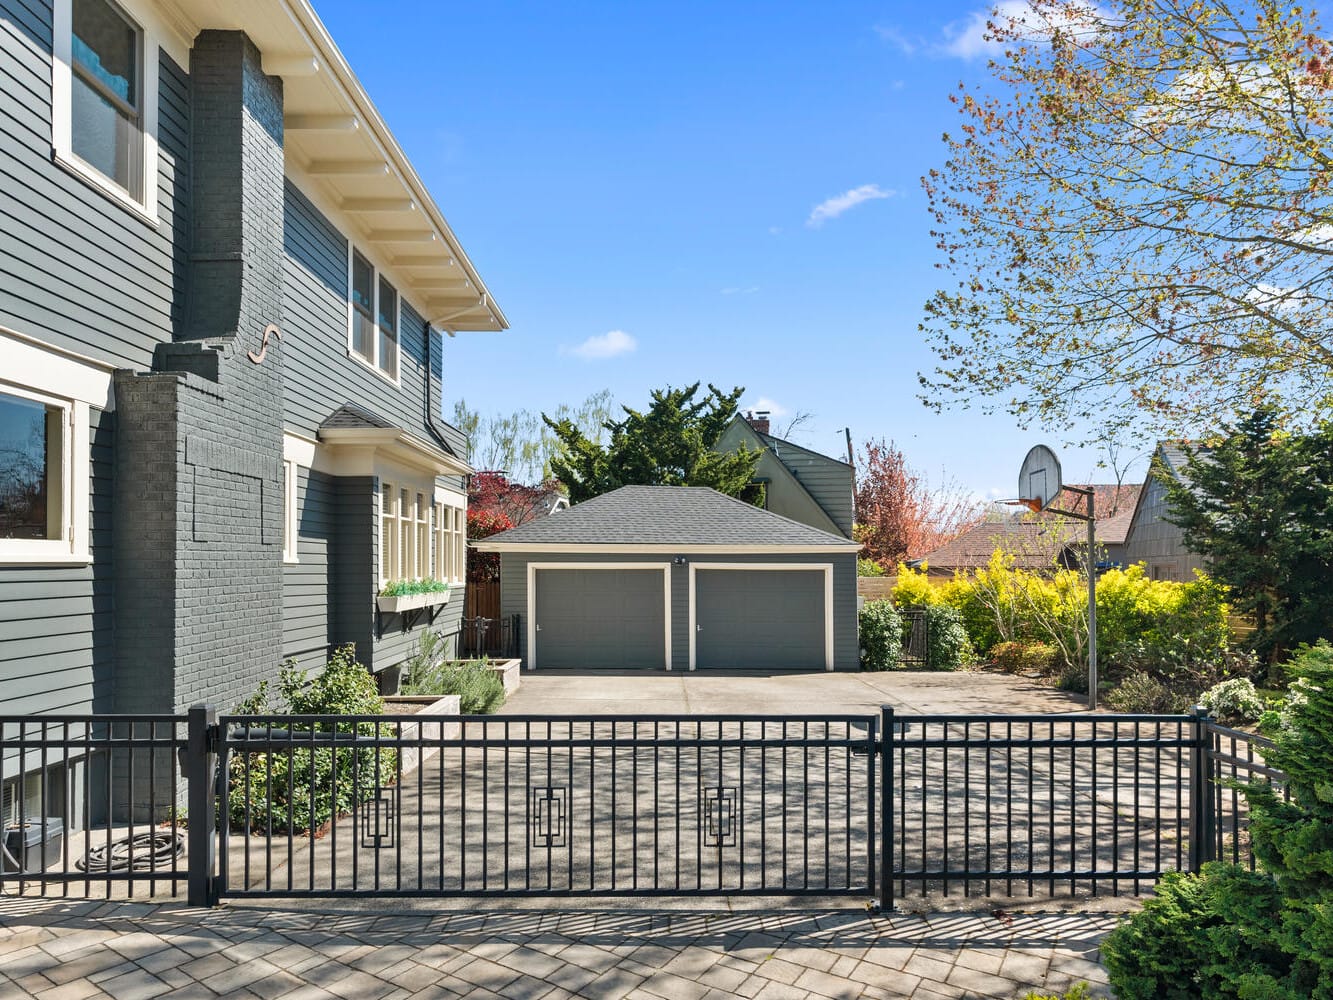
373 311
104 100
448 548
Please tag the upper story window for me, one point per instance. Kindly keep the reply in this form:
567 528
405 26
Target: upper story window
106 130
373 311
104 99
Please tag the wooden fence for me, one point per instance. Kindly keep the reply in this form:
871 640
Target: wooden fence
482 600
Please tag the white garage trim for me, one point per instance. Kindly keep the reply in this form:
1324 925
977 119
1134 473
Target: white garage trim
666 600
808 567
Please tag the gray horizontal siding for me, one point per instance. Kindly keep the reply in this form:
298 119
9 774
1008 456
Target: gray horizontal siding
1155 542
56 626
307 584
828 481
320 376
77 269
514 595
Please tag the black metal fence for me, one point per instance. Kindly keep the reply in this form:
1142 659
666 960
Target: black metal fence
884 806
493 637
480 806
92 801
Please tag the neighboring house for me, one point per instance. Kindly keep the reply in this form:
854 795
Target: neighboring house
1041 542
1152 540
222 294
678 578
798 483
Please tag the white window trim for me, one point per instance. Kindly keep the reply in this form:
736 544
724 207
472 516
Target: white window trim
72 547
533 567
826 568
291 543
62 89
373 364
450 542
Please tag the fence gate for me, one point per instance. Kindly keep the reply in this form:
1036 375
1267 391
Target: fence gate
653 805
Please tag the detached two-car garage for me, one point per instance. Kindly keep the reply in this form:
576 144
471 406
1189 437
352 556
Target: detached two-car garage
678 578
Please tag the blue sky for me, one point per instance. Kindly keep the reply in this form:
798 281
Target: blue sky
640 185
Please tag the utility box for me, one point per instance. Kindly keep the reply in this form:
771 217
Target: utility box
28 845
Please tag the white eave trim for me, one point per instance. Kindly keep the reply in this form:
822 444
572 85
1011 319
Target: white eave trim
847 548
326 51
398 444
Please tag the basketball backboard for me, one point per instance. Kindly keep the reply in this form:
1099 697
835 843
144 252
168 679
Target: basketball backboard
1039 482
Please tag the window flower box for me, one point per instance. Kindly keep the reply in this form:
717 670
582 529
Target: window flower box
411 602
412 595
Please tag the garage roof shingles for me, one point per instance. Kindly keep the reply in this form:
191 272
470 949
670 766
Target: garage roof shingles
665 515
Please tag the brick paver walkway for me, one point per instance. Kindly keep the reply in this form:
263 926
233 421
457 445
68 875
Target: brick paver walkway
134 951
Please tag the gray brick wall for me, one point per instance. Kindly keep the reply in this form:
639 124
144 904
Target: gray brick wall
199 512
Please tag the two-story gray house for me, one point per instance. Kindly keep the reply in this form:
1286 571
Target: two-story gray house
224 293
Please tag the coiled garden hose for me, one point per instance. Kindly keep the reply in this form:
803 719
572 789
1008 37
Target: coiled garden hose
140 853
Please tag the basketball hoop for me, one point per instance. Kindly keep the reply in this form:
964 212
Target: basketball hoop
1039 486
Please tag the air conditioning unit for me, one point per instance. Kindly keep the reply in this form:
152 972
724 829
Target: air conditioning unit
31 846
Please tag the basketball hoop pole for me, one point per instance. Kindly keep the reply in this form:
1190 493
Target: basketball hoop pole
1091 518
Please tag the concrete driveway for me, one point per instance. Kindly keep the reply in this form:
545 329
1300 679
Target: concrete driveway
565 692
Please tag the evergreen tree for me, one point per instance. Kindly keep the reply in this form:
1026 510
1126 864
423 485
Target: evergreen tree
1259 505
669 444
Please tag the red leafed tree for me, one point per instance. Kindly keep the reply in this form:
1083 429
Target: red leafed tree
494 504
899 515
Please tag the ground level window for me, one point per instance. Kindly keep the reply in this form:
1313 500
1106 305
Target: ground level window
32 467
448 546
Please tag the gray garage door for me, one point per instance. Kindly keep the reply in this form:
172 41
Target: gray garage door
609 618
771 619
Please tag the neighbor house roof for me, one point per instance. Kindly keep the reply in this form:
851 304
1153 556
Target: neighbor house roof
666 518
1036 540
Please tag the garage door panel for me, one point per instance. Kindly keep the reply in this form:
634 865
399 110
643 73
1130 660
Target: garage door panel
600 618
759 619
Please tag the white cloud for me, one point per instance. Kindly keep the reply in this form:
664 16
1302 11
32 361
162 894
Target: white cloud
905 44
973 35
833 207
773 407
602 346
774 230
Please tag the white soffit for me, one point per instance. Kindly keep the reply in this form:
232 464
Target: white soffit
336 140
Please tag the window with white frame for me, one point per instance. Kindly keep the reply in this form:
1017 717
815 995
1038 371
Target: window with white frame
388 533
290 535
43 477
104 97
373 316
448 546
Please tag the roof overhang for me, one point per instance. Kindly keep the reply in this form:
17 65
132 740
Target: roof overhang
395 443
336 139
483 545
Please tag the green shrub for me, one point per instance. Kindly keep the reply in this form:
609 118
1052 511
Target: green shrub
1233 700
880 629
430 672
1293 840
1141 693
868 567
1023 657
1198 936
302 789
1265 935
947 645
1079 991
406 588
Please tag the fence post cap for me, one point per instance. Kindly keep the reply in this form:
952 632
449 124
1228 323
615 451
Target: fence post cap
1201 712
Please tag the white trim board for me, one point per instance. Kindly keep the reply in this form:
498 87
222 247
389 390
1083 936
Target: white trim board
826 568
845 548
532 598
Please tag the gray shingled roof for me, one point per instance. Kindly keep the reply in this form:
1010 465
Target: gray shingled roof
666 515
351 415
